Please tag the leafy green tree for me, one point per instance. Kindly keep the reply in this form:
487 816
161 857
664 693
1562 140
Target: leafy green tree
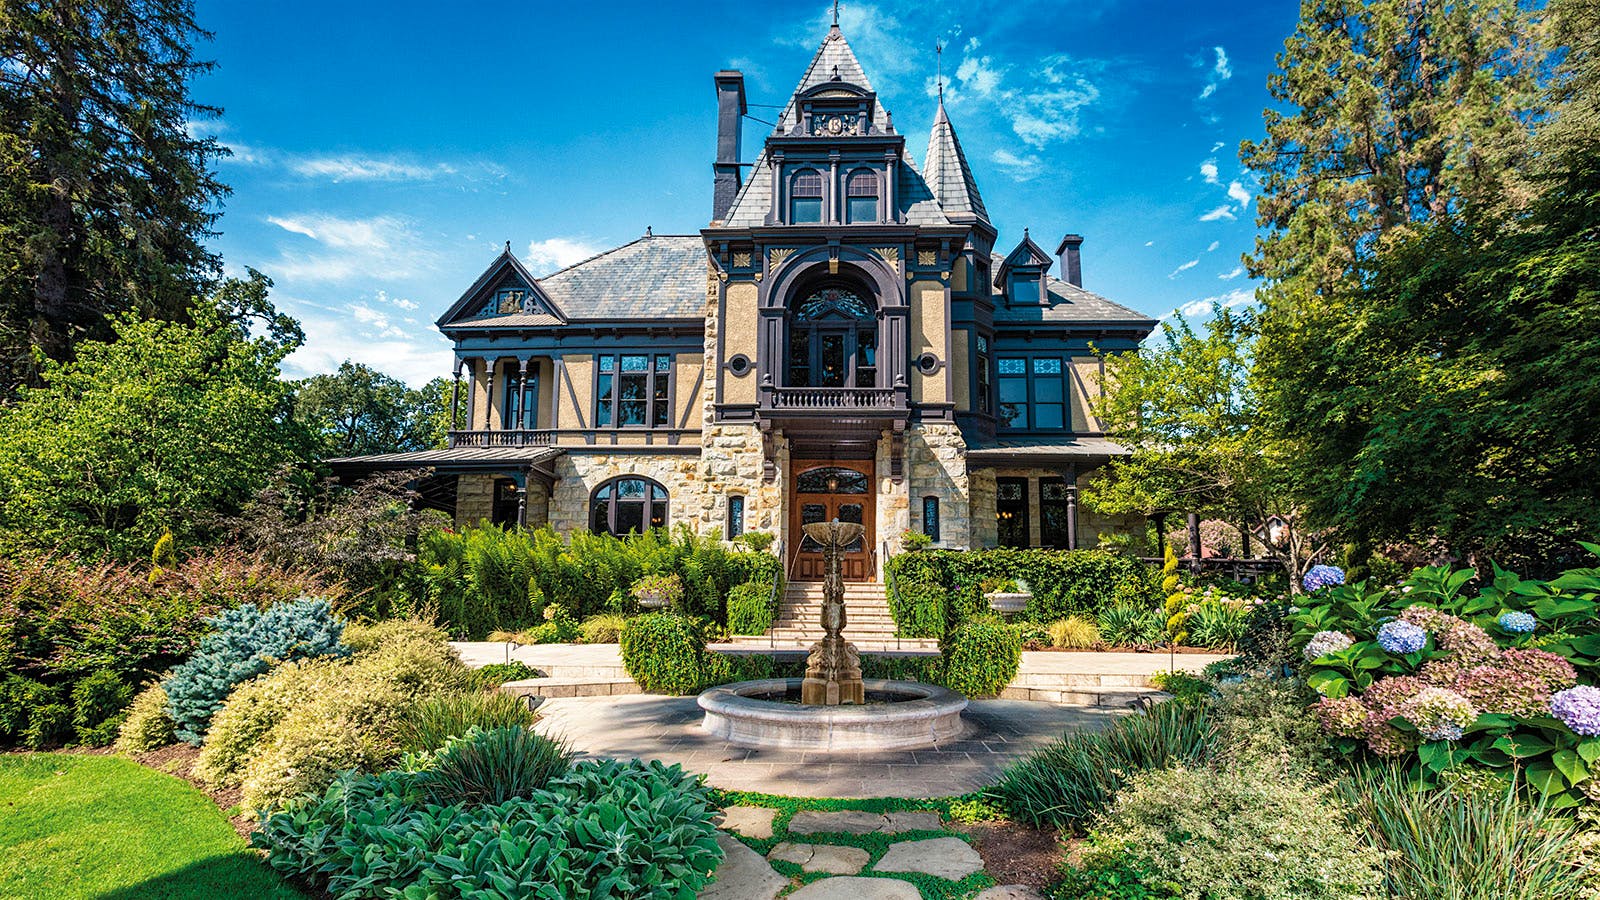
1186 409
161 428
359 410
106 197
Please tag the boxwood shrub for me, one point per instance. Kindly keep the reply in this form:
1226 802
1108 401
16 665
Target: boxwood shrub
981 657
750 608
603 831
665 653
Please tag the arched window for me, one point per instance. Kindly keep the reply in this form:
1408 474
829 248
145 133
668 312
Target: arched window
628 503
805 197
833 341
861 196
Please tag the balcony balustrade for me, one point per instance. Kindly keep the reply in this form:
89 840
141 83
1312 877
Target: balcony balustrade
827 399
511 438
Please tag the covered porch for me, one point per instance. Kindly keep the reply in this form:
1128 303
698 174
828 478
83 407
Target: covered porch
501 485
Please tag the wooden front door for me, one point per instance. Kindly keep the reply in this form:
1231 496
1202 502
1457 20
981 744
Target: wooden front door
824 491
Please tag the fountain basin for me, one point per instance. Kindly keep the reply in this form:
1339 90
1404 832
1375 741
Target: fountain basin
905 715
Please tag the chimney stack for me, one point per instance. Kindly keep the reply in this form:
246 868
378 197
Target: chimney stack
1071 266
730 117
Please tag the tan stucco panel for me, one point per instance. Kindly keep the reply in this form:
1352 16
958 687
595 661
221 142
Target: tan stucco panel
1085 385
928 329
577 382
959 274
961 369
739 336
688 385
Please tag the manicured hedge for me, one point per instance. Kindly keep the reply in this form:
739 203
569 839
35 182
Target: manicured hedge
981 657
665 653
938 589
750 608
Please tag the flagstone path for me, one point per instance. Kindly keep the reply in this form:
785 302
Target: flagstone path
849 854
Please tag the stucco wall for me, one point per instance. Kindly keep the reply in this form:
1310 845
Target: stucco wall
929 324
740 338
577 382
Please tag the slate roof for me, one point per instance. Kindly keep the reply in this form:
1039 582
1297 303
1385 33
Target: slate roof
946 171
834 57
1069 304
1008 450
749 209
658 276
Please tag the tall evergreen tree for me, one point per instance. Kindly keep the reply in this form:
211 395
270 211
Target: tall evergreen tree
106 197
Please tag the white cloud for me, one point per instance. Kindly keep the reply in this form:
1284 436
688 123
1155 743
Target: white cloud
1149 243
1208 171
1214 245
1043 102
1237 192
1217 146
1231 300
554 254
410 351
1221 71
355 167
381 248
1229 276
1194 308
1184 268
1221 212
1019 168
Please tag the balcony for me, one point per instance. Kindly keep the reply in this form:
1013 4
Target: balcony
833 399
513 438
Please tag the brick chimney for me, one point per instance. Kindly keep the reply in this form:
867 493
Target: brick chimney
730 116
1071 266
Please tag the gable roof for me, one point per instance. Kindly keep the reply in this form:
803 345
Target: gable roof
1027 253
657 276
834 61
947 172
506 264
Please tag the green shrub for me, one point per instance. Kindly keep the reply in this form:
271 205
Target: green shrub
148 725
1464 845
633 829
758 541
376 635
1073 778
1137 627
1266 645
1063 582
914 540
255 708
750 608
1236 833
19 698
245 643
919 609
981 657
98 704
1074 633
489 767
49 725
1218 626
1270 721
431 723
603 628
665 653
926 669
1183 687
493 675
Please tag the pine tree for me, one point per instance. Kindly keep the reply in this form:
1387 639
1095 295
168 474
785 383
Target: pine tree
106 198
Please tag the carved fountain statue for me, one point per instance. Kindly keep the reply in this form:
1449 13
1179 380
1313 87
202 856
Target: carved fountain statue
837 710
833 670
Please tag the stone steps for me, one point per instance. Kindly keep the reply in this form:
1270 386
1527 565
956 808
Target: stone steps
549 688
1088 697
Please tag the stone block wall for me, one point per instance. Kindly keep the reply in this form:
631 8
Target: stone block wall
474 499
578 474
936 465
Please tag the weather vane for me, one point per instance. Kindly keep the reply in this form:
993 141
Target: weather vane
836 13
938 53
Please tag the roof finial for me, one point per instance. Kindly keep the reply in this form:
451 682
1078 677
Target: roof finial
938 52
508 246
836 13
649 231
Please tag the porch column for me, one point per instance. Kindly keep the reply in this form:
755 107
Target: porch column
522 495
455 397
488 393
472 391
1072 516
522 392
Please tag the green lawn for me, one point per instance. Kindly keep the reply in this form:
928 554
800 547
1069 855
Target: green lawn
108 828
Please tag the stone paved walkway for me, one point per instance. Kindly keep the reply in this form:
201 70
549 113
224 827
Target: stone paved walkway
668 728
849 855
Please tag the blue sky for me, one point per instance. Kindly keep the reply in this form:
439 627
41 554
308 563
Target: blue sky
384 153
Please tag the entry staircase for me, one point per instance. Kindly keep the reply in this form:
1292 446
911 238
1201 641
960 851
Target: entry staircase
868 623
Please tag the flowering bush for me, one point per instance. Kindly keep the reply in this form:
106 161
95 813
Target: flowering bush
1500 677
1319 577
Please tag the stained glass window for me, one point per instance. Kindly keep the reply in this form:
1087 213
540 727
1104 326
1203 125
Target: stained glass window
1011 511
735 515
625 504
930 517
831 480
1033 393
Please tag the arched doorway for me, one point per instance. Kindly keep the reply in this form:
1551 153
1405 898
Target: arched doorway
824 491
833 339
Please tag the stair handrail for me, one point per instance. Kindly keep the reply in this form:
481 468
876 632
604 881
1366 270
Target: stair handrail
891 593
778 583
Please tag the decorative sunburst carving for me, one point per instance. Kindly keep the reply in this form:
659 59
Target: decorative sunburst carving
777 255
889 254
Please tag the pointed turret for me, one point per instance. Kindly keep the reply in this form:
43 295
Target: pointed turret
834 61
947 172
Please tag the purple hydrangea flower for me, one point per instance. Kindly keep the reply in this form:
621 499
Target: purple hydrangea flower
1518 622
1578 708
1324 642
1402 637
1322 576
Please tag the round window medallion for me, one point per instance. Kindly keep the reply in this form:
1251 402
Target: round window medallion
927 363
739 364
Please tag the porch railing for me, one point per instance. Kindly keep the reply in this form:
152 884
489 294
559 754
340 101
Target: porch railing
815 398
516 437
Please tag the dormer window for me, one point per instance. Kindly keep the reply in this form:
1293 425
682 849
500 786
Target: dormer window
861 197
805 197
1025 288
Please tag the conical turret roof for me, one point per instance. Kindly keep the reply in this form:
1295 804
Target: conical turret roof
947 172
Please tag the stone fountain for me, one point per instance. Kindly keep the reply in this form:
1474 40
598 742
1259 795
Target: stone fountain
833 670
837 709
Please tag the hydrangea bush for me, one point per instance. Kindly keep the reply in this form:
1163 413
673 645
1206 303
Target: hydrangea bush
1445 669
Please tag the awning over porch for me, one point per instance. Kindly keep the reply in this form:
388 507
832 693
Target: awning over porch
1089 451
456 460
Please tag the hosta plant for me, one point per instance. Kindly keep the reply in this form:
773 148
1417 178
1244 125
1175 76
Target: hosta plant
1445 670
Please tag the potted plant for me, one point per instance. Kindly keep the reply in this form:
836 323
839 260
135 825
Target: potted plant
658 591
1006 595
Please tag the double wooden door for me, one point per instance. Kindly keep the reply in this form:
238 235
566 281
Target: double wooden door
824 491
